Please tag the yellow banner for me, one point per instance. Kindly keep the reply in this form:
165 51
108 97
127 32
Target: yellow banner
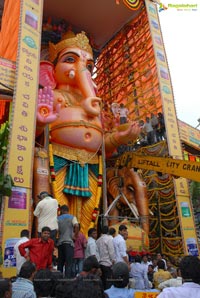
176 167
189 134
20 158
17 208
7 74
146 294
172 131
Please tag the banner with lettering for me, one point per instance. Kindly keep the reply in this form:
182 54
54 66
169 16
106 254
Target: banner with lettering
176 167
189 134
146 294
172 131
7 74
17 208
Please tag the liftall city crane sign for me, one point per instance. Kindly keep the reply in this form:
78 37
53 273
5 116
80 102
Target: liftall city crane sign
175 167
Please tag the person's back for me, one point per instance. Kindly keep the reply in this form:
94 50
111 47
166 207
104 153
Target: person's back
46 212
23 286
66 224
5 288
106 250
139 274
120 282
190 272
43 283
88 287
107 256
90 266
161 275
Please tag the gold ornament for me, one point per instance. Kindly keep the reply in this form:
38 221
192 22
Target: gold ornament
69 39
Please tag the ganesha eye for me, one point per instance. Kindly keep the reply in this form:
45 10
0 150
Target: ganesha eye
69 59
90 67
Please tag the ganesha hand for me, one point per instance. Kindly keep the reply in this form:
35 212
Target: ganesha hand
45 110
123 135
131 133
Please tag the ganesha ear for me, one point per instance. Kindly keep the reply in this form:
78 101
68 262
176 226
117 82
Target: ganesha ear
46 77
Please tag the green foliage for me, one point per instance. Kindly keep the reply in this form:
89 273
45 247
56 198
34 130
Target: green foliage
6 181
195 194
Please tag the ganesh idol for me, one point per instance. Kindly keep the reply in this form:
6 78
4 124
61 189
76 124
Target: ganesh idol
69 122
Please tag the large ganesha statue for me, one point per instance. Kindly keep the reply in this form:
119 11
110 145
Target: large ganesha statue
69 116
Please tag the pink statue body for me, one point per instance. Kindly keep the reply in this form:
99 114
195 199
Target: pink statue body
69 105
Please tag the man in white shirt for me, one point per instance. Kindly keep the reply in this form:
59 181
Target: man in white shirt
145 262
120 245
91 248
107 256
139 275
190 272
46 212
19 259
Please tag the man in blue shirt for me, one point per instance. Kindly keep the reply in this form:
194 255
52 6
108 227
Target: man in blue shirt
120 281
23 286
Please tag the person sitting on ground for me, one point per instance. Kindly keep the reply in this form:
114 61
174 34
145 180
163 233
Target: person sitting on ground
86 284
57 279
87 287
43 283
90 266
172 282
190 272
81 287
138 274
120 282
171 269
155 264
159 256
23 286
5 288
150 274
65 289
161 275
145 261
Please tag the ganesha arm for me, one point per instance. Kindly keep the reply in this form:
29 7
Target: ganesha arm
46 113
122 135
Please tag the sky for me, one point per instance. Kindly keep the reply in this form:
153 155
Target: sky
181 35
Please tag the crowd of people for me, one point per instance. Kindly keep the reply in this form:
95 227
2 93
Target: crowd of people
93 266
153 129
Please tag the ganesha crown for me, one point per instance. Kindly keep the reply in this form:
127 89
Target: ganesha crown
79 40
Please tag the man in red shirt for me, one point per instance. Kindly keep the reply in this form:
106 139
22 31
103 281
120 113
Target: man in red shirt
40 250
